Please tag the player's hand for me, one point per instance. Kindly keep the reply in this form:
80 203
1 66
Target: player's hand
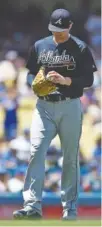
58 78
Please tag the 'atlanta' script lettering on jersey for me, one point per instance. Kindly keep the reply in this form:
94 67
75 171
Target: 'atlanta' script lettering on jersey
54 59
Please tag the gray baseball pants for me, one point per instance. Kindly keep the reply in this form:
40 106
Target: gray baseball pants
49 119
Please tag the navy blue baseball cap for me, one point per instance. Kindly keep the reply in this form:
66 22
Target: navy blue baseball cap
60 20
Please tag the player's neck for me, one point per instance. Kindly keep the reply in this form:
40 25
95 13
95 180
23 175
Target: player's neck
57 41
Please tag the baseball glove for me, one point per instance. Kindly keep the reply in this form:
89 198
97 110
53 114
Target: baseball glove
41 85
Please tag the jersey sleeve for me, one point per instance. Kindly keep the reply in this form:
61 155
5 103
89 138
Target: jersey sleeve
86 69
88 58
32 61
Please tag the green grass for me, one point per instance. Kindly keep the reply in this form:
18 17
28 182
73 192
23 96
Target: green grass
50 223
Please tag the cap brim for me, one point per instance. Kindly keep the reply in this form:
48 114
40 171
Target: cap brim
53 28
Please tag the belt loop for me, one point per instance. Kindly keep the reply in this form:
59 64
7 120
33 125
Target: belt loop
54 98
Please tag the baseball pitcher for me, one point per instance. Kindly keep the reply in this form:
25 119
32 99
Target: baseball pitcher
60 67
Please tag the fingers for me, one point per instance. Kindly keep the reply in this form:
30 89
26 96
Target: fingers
52 78
53 73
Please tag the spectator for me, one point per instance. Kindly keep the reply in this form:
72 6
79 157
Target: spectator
10 106
93 26
8 71
90 180
95 113
97 154
2 91
97 150
3 179
52 158
11 162
22 145
53 170
52 183
16 183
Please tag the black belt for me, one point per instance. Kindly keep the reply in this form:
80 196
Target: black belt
54 98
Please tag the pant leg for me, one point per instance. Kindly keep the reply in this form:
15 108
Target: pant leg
43 130
69 132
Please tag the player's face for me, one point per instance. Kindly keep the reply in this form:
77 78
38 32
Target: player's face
60 36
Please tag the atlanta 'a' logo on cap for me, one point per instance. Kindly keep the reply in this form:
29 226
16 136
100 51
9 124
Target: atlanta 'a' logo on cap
58 21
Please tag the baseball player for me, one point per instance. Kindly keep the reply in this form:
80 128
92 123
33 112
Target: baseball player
70 66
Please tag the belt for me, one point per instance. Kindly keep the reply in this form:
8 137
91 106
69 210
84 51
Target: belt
54 98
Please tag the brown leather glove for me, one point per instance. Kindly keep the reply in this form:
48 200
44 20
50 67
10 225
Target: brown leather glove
41 85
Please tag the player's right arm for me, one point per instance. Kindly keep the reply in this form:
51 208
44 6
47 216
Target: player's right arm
32 65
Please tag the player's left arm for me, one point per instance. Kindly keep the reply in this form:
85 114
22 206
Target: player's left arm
86 70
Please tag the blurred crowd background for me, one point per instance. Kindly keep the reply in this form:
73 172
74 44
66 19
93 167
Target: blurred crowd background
19 29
